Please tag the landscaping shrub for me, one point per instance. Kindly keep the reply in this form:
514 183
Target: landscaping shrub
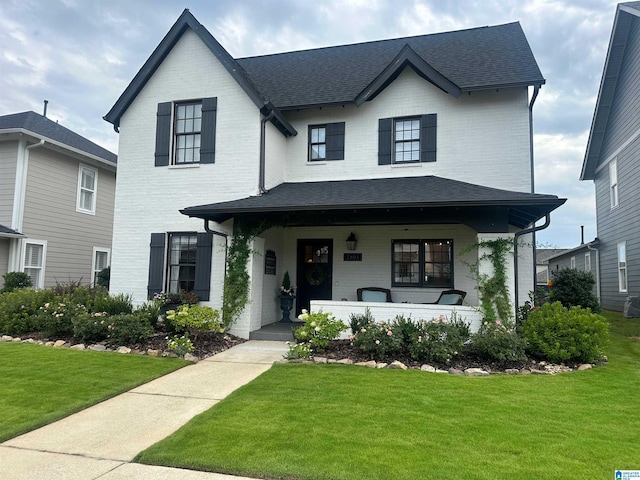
152 311
91 327
377 340
405 329
574 288
358 321
498 342
19 308
566 335
180 345
112 304
195 319
319 329
15 280
103 278
55 318
128 329
438 340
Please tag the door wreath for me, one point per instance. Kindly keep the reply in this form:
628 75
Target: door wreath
315 275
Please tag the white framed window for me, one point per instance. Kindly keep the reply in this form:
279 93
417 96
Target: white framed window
613 183
587 262
34 255
87 188
622 267
573 262
101 259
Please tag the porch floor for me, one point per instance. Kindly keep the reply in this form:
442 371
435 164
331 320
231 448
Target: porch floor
279 331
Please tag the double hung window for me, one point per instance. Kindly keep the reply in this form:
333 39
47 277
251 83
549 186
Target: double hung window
622 267
181 262
87 183
613 183
187 127
407 140
34 256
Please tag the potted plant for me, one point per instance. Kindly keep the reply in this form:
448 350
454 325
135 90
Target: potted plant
287 296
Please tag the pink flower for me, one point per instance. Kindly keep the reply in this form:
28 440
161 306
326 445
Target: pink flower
389 332
498 322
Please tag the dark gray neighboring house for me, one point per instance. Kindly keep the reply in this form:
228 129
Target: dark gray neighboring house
612 161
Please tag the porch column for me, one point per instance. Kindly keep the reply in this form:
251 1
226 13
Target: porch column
485 267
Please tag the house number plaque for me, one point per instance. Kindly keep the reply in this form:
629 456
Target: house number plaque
352 257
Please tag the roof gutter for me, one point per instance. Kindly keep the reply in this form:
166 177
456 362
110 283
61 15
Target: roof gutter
263 161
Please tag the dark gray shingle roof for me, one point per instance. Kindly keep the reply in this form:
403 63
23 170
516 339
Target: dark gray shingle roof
478 58
42 126
392 193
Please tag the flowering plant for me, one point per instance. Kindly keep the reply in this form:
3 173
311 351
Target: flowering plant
180 345
286 288
182 298
319 329
195 319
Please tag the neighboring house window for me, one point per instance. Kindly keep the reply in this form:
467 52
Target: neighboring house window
34 259
407 140
622 267
189 128
573 262
326 142
587 262
422 263
100 261
87 185
613 183
180 261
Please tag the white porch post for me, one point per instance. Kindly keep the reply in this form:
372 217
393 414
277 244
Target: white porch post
250 318
485 267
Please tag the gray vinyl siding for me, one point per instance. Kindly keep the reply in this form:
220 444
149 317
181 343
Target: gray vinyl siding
624 118
50 214
4 258
619 224
8 158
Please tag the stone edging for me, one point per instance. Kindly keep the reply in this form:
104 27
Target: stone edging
98 347
538 368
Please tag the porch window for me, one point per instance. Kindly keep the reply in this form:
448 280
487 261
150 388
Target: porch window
422 263
182 262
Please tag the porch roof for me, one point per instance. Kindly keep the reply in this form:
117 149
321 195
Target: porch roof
427 199
10 233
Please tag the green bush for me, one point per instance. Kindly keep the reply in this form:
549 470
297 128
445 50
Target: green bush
566 335
378 340
55 318
19 308
498 343
152 311
128 329
438 340
15 280
357 321
112 304
91 327
195 319
574 288
319 329
103 277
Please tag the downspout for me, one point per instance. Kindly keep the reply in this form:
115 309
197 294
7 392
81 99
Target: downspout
263 127
534 229
536 90
597 269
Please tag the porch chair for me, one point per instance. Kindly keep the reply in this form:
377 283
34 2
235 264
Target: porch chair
451 297
374 294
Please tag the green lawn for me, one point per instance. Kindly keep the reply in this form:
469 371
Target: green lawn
41 384
340 422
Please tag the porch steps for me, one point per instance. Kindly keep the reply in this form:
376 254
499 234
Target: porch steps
278 331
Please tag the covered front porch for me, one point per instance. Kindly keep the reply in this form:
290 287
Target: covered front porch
306 229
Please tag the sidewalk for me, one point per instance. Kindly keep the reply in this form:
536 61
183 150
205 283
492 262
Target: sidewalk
99 442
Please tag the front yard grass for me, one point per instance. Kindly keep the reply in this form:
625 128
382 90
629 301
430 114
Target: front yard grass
339 422
41 384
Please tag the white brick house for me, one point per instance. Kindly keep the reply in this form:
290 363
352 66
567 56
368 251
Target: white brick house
420 146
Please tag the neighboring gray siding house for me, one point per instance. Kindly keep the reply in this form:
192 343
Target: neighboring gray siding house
584 257
612 161
419 147
542 264
57 192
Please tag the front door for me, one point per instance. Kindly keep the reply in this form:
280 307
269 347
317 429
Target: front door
315 261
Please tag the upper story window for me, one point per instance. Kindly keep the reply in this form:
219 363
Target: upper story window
188 123
422 263
587 262
186 132
326 142
407 140
87 183
573 262
613 183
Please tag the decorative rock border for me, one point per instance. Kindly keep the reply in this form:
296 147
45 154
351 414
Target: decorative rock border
99 347
536 368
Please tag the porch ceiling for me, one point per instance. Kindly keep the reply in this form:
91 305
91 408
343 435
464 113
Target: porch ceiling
406 200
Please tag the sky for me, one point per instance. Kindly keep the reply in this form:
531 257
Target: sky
80 55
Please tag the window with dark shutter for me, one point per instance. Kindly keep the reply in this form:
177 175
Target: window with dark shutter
203 266
385 126
326 142
156 265
208 133
163 134
407 139
335 141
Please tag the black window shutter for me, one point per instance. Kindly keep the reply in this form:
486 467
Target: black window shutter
203 266
163 134
384 141
335 141
428 126
208 130
156 264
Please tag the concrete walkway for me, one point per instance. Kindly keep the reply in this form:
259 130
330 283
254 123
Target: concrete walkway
99 442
